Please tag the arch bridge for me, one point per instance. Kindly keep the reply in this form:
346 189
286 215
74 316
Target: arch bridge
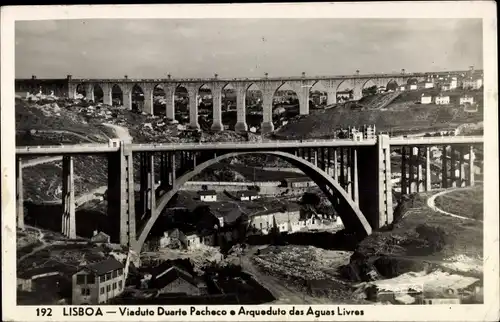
356 176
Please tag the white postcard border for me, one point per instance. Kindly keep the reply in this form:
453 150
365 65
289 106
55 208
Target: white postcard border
474 9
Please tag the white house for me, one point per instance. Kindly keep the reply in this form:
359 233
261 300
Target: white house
253 129
426 99
207 195
472 83
193 241
413 87
442 100
466 99
402 88
428 84
453 83
248 195
446 87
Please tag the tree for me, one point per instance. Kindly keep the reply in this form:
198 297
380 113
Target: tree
310 198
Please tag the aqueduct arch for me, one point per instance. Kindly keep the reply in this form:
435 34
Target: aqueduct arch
349 211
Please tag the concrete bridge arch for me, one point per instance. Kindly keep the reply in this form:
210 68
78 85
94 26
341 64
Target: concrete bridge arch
351 215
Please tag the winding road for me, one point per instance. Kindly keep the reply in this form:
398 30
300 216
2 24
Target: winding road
431 203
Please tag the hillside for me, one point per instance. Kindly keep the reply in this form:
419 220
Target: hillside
403 115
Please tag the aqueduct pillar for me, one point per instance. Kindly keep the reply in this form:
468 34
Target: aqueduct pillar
267 113
107 94
170 102
241 124
193 107
217 108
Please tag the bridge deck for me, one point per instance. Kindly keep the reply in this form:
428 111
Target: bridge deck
235 146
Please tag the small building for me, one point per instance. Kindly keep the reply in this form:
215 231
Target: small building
172 279
100 237
193 241
426 99
279 111
429 84
472 83
247 195
402 88
98 283
413 87
299 182
442 100
173 238
28 280
446 87
466 99
208 195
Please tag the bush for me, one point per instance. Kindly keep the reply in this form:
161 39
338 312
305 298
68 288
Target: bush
435 236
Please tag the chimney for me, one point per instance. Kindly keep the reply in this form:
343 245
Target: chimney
33 77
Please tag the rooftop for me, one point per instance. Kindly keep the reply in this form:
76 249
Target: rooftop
207 193
105 266
247 193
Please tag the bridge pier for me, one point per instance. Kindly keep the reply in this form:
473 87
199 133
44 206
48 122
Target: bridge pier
127 99
151 184
170 102
420 184
121 196
304 100
444 169
148 101
267 125
462 168
428 174
452 167
19 194
107 94
241 124
355 175
217 109
471 166
331 96
68 199
89 92
193 107
404 189
411 166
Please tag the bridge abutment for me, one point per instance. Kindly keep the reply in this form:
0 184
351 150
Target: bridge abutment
68 199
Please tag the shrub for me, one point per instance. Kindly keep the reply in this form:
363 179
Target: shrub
435 236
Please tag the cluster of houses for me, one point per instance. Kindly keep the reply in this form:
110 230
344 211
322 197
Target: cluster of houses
446 83
244 195
443 99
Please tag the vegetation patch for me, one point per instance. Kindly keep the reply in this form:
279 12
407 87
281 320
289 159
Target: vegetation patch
467 202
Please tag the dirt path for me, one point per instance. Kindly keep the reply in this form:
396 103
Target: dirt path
431 203
281 293
120 131
36 249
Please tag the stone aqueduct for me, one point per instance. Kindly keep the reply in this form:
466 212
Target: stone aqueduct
267 85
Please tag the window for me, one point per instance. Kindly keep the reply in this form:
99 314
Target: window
120 285
108 276
115 273
102 290
102 278
90 279
120 271
260 225
85 291
114 285
108 288
80 279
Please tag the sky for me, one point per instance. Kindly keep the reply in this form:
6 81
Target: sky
153 48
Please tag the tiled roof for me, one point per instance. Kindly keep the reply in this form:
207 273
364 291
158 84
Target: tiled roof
170 274
105 266
207 193
247 193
